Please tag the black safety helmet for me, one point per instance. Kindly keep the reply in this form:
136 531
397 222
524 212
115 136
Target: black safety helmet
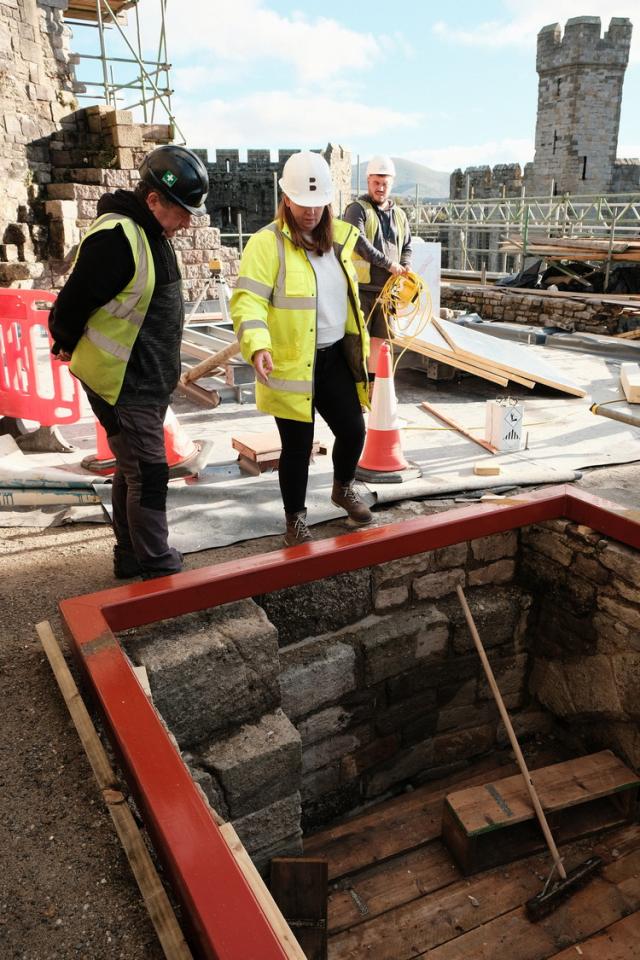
179 175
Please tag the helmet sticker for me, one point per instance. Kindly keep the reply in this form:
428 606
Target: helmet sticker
168 178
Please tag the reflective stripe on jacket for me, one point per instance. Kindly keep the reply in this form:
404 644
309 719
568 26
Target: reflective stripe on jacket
372 229
102 353
273 308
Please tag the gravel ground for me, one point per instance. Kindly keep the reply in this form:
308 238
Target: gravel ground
65 887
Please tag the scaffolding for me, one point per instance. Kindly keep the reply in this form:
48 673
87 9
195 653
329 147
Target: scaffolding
128 82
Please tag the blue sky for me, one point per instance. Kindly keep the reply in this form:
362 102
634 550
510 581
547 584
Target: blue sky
448 85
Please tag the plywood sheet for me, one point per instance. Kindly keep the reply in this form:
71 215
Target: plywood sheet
504 356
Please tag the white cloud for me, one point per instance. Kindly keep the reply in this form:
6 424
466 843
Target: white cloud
473 155
247 32
279 118
521 23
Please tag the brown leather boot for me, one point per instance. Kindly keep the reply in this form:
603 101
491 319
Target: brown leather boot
344 495
297 529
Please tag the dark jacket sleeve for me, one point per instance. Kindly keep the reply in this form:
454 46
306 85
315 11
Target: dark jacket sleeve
405 253
355 215
103 269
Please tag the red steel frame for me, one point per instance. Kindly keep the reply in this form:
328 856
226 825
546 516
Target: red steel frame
226 920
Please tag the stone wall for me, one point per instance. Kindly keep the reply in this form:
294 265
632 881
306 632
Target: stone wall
35 93
299 706
584 630
306 704
249 188
562 312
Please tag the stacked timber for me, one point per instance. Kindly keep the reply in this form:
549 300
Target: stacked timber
574 248
498 361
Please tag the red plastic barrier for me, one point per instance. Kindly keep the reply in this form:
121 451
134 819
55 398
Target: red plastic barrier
33 384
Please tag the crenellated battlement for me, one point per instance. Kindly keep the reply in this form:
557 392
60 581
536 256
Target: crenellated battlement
583 44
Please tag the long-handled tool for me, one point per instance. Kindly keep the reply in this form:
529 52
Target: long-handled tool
553 892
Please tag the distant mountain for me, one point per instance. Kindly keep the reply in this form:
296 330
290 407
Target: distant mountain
432 184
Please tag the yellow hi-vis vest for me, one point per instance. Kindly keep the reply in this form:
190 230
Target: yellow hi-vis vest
273 307
102 353
371 228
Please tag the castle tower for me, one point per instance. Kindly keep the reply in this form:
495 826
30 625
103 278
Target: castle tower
579 99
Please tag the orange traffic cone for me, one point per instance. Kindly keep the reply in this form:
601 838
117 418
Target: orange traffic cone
382 460
186 457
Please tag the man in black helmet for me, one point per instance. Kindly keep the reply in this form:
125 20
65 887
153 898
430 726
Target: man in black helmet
118 320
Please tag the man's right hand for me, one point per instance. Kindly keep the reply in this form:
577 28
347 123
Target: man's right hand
263 363
397 268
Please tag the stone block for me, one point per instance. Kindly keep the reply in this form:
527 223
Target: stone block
502 571
112 118
272 831
626 673
319 782
401 769
495 547
614 636
396 643
315 674
11 272
209 786
319 607
527 724
256 765
321 754
463 744
548 543
624 612
435 585
126 136
461 718
590 568
510 674
61 209
325 723
210 671
496 613
416 707
593 689
355 764
125 158
390 598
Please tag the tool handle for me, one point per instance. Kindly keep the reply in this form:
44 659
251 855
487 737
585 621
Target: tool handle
206 366
524 770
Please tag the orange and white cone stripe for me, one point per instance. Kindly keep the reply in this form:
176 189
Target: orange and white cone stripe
382 449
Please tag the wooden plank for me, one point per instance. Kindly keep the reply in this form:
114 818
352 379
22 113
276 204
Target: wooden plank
456 426
504 356
630 380
153 893
398 825
389 885
483 809
589 911
448 357
299 886
259 889
619 941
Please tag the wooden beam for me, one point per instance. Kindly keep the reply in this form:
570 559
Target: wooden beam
300 888
153 893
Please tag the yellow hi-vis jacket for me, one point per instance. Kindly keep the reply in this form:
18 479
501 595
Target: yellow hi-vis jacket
273 308
371 230
102 353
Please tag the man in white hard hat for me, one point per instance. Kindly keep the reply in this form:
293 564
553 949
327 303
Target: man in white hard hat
384 247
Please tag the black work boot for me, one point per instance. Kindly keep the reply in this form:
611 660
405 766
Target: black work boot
125 564
297 529
344 495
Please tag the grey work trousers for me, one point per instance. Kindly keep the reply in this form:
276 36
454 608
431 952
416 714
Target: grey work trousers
139 494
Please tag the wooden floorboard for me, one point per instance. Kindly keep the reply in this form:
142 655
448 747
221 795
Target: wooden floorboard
401 824
620 941
407 900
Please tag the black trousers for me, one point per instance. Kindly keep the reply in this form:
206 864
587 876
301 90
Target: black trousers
139 491
336 399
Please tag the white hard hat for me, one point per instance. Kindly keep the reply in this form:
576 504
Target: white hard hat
306 179
382 165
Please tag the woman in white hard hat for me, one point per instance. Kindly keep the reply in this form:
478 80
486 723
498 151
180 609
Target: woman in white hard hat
297 317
